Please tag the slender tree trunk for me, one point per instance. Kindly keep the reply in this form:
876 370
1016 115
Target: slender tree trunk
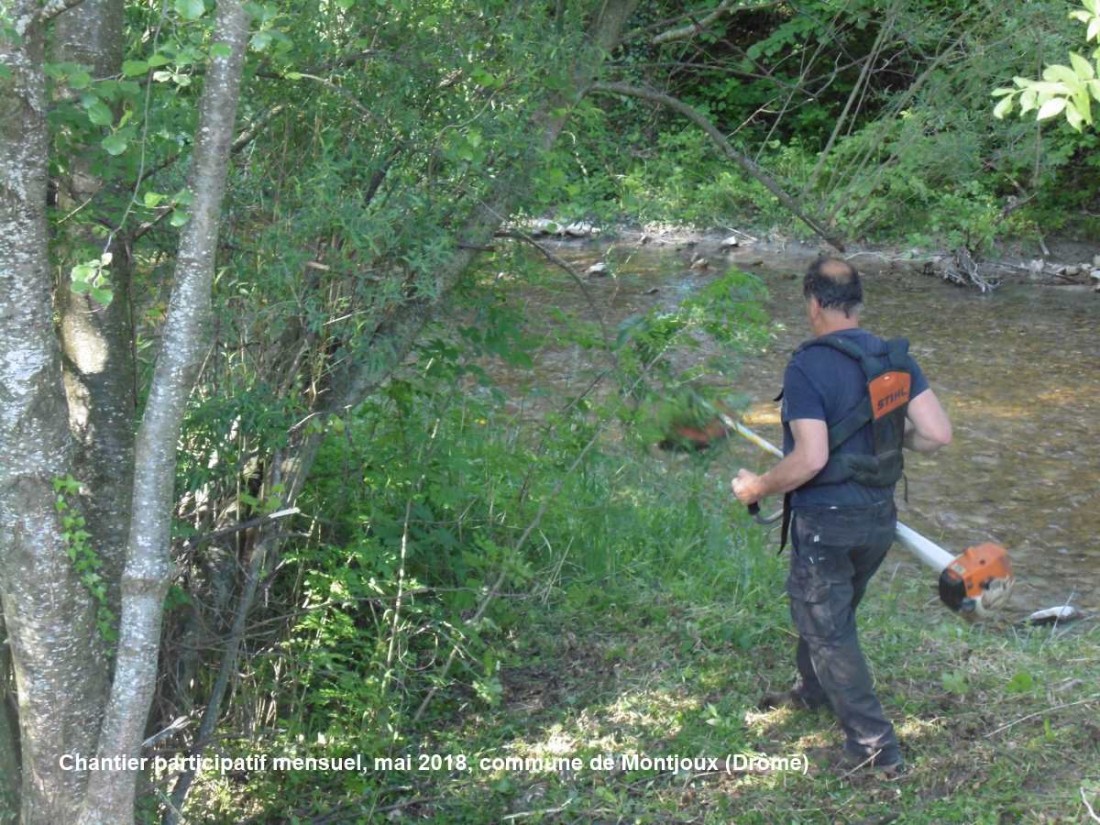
47 611
97 341
110 797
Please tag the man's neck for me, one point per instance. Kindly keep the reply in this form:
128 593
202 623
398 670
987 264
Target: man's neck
835 322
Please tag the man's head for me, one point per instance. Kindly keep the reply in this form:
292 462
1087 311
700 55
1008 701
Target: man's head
835 284
834 294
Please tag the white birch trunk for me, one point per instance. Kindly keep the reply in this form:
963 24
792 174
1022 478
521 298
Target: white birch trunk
47 611
110 797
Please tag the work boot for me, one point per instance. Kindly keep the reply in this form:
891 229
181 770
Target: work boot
794 699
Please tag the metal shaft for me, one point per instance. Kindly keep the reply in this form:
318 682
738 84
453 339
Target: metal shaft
924 549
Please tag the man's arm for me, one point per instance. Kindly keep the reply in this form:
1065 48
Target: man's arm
810 454
927 427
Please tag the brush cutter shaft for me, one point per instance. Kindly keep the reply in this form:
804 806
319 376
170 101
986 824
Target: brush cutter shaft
927 551
975 582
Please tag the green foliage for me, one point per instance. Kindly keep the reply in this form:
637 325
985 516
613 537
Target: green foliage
86 561
444 520
725 317
92 278
1064 90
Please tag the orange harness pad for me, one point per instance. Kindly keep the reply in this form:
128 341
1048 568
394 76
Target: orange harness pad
888 392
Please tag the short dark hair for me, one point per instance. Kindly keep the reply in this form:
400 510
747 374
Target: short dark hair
835 284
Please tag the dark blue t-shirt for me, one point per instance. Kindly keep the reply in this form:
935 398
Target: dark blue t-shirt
825 384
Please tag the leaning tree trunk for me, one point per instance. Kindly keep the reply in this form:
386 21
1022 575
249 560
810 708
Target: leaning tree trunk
389 344
110 797
47 611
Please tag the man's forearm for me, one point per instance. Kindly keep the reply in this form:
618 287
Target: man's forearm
790 473
916 441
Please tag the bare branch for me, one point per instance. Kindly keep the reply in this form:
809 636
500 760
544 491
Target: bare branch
696 25
749 166
1084 799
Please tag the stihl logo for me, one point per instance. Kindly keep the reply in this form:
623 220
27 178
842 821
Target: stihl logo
892 399
889 392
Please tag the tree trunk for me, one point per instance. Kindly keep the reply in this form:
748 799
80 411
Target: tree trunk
47 610
97 341
110 797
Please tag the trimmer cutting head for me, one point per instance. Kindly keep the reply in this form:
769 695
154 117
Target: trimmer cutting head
978 581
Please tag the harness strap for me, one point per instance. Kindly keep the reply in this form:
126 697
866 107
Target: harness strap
785 530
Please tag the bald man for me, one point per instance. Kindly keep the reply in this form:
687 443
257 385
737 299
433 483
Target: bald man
840 499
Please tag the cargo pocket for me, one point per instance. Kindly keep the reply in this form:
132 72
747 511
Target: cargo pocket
809 579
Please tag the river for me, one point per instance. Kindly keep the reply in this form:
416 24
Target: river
1018 371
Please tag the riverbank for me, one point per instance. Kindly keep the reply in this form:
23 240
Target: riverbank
1064 263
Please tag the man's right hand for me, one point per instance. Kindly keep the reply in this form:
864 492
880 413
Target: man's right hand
747 486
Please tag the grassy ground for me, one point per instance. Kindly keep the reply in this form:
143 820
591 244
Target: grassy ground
668 657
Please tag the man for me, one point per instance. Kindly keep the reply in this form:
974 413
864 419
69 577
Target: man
842 501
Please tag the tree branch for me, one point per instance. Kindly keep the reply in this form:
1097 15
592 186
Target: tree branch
696 25
749 166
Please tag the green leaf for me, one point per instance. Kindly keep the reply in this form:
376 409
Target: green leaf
1057 73
190 9
179 217
115 144
1074 118
1003 108
134 68
99 113
260 41
1094 29
222 50
79 79
1082 67
1051 108
158 59
102 295
152 199
80 287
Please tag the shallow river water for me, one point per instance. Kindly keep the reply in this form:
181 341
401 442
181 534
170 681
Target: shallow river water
1018 371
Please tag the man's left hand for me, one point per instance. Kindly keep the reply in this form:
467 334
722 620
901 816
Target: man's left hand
748 486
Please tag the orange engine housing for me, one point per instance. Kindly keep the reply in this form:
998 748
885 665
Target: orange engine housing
977 578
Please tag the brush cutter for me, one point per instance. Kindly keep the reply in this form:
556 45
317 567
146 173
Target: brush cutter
977 581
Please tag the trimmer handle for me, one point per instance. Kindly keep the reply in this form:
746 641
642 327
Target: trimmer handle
754 511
